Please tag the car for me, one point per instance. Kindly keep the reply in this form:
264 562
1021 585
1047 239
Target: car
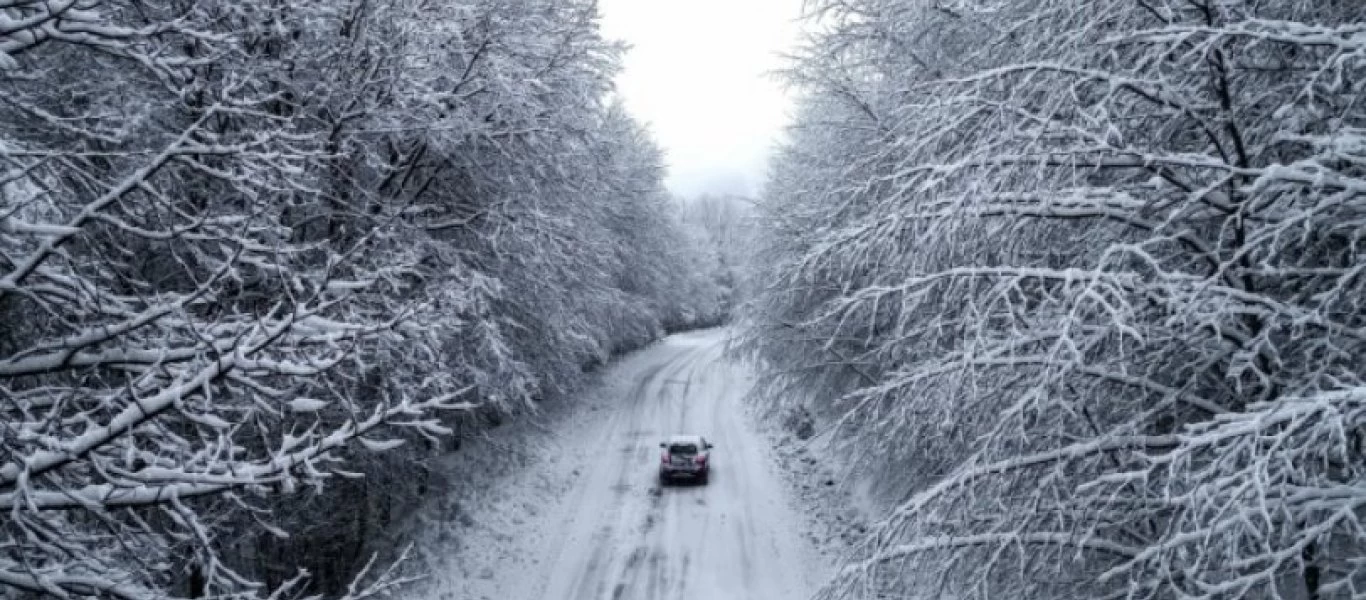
685 457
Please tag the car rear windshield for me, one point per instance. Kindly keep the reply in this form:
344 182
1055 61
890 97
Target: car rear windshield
682 449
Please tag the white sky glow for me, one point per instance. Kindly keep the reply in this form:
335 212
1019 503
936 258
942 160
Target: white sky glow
698 74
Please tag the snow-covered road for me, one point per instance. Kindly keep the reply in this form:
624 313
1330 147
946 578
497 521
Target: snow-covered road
608 531
624 537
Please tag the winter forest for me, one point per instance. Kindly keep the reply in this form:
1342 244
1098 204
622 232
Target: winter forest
1073 288
1082 280
249 246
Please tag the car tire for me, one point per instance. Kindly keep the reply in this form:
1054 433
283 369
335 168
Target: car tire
703 479
663 480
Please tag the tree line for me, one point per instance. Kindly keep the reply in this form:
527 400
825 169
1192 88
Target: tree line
1081 283
258 259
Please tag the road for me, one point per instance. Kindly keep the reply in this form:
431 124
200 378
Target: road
618 535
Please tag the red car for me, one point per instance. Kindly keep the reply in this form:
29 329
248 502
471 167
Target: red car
685 457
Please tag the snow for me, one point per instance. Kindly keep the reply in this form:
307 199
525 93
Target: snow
567 506
838 504
306 405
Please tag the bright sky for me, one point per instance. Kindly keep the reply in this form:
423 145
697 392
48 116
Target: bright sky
698 74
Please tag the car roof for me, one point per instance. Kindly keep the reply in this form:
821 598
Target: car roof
685 439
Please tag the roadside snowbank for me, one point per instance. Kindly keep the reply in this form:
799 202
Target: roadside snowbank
834 500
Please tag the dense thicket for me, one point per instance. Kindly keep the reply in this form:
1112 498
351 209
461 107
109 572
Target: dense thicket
245 246
1082 281
721 225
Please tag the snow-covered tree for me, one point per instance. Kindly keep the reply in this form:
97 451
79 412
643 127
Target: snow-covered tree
1083 280
722 225
169 313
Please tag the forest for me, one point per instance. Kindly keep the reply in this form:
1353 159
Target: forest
259 259
1079 283
1076 287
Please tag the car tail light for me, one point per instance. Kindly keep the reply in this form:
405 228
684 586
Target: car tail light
664 458
701 460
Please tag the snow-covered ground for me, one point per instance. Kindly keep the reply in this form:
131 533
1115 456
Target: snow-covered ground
836 502
568 507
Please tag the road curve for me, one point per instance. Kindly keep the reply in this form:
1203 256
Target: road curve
619 535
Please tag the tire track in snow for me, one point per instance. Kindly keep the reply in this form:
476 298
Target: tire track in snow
654 572
603 554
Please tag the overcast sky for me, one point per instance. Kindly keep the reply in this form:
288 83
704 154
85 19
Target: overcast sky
697 74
